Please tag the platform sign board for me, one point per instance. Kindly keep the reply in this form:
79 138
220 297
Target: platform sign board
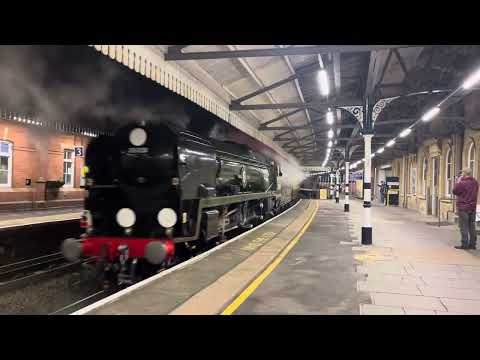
315 169
28 182
323 194
78 150
358 175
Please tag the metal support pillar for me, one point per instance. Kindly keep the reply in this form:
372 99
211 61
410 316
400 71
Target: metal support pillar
367 191
331 186
346 206
337 186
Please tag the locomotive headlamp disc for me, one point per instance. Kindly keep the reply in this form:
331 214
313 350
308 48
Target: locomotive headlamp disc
126 217
137 137
167 217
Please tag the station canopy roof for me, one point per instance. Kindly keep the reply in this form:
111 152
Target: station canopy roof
278 87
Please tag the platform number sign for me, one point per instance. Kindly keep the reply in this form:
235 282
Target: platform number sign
79 151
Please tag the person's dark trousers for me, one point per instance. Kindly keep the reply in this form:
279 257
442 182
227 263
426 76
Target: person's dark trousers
466 222
382 197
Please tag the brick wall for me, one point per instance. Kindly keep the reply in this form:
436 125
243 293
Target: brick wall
37 154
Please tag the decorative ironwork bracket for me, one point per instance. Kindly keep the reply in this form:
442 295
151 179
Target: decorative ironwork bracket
356 111
380 105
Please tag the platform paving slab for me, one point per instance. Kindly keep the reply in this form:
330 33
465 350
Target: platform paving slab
317 276
370 309
389 287
462 306
410 301
441 279
409 311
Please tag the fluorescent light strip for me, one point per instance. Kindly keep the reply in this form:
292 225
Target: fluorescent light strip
430 114
471 80
323 79
405 132
330 119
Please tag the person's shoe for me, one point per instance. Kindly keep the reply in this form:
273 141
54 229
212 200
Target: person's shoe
461 247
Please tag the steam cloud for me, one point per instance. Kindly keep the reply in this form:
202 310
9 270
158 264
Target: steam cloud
73 84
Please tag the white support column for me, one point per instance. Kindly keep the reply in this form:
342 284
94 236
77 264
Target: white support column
346 206
331 186
337 186
367 192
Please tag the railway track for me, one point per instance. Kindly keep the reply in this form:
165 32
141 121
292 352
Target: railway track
23 273
13 269
77 305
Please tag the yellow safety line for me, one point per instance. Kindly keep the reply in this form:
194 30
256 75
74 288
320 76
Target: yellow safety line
230 309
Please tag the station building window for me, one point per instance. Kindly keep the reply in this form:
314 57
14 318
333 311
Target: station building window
5 164
68 168
471 158
448 173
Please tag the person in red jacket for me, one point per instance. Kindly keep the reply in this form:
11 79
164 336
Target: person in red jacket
466 190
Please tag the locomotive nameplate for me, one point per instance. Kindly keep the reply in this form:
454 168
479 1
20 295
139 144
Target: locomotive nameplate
139 150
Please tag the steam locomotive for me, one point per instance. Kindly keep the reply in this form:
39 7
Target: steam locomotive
155 190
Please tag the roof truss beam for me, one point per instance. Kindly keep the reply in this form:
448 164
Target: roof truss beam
280 137
295 76
288 51
346 126
264 124
301 146
238 107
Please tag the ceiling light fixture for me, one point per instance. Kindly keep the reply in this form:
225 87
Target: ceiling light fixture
430 114
471 80
323 79
330 119
405 132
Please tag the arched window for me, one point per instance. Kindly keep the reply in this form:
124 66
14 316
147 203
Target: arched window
471 158
5 164
448 173
424 175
